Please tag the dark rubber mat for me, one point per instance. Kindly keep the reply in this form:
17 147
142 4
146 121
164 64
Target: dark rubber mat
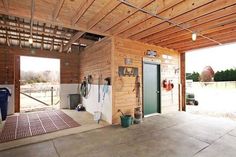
36 123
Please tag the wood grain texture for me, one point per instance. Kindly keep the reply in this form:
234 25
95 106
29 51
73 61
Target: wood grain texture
183 81
96 61
114 18
124 97
68 69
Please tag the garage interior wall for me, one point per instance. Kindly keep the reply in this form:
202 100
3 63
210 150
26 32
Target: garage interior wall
68 64
125 48
96 61
102 60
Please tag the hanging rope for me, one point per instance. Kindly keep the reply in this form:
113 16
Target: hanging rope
6 66
137 89
86 86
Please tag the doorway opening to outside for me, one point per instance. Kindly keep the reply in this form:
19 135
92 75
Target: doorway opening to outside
39 83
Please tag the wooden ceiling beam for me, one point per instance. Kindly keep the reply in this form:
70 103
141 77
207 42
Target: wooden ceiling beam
62 42
7 39
6 33
221 31
5 4
18 12
190 24
14 24
219 28
53 38
199 28
200 41
132 12
33 31
214 25
18 25
215 35
26 40
210 35
190 44
139 17
109 7
211 8
82 9
86 41
57 9
16 37
205 45
72 40
61 46
177 10
42 41
23 32
32 17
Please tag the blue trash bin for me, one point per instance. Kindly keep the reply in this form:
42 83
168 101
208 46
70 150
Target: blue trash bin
4 93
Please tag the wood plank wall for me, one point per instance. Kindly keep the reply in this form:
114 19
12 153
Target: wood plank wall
124 97
69 63
96 61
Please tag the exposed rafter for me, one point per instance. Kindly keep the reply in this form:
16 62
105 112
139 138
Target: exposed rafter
57 9
61 46
6 31
34 31
111 5
137 18
41 18
167 20
5 4
167 23
72 40
18 25
7 39
32 17
42 41
53 38
206 12
82 9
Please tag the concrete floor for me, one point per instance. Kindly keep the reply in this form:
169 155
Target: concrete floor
85 119
178 135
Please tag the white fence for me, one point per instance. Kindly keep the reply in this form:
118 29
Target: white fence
214 96
222 85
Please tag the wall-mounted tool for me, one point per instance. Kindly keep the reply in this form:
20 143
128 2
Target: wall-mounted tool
128 71
167 84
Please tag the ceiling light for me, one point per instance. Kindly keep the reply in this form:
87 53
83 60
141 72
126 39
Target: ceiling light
194 36
30 40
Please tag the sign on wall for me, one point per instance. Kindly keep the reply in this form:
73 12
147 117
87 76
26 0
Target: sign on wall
128 71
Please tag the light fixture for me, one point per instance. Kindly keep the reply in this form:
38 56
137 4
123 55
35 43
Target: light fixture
194 36
30 40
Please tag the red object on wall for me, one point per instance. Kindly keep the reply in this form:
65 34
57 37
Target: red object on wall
168 85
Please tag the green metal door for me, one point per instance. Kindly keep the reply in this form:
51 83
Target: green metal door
151 88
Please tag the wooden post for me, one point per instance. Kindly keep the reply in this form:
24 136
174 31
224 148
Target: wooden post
183 83
17 83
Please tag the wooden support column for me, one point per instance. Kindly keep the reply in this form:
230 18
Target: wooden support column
183 83
17 83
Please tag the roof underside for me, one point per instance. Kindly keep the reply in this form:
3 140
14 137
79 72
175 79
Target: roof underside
59 24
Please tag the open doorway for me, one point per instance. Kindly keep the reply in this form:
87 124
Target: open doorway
39 83
211 81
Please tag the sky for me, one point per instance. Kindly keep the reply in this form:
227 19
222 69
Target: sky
37 64
218 57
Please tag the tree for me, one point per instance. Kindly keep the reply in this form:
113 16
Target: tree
195 76
226 75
